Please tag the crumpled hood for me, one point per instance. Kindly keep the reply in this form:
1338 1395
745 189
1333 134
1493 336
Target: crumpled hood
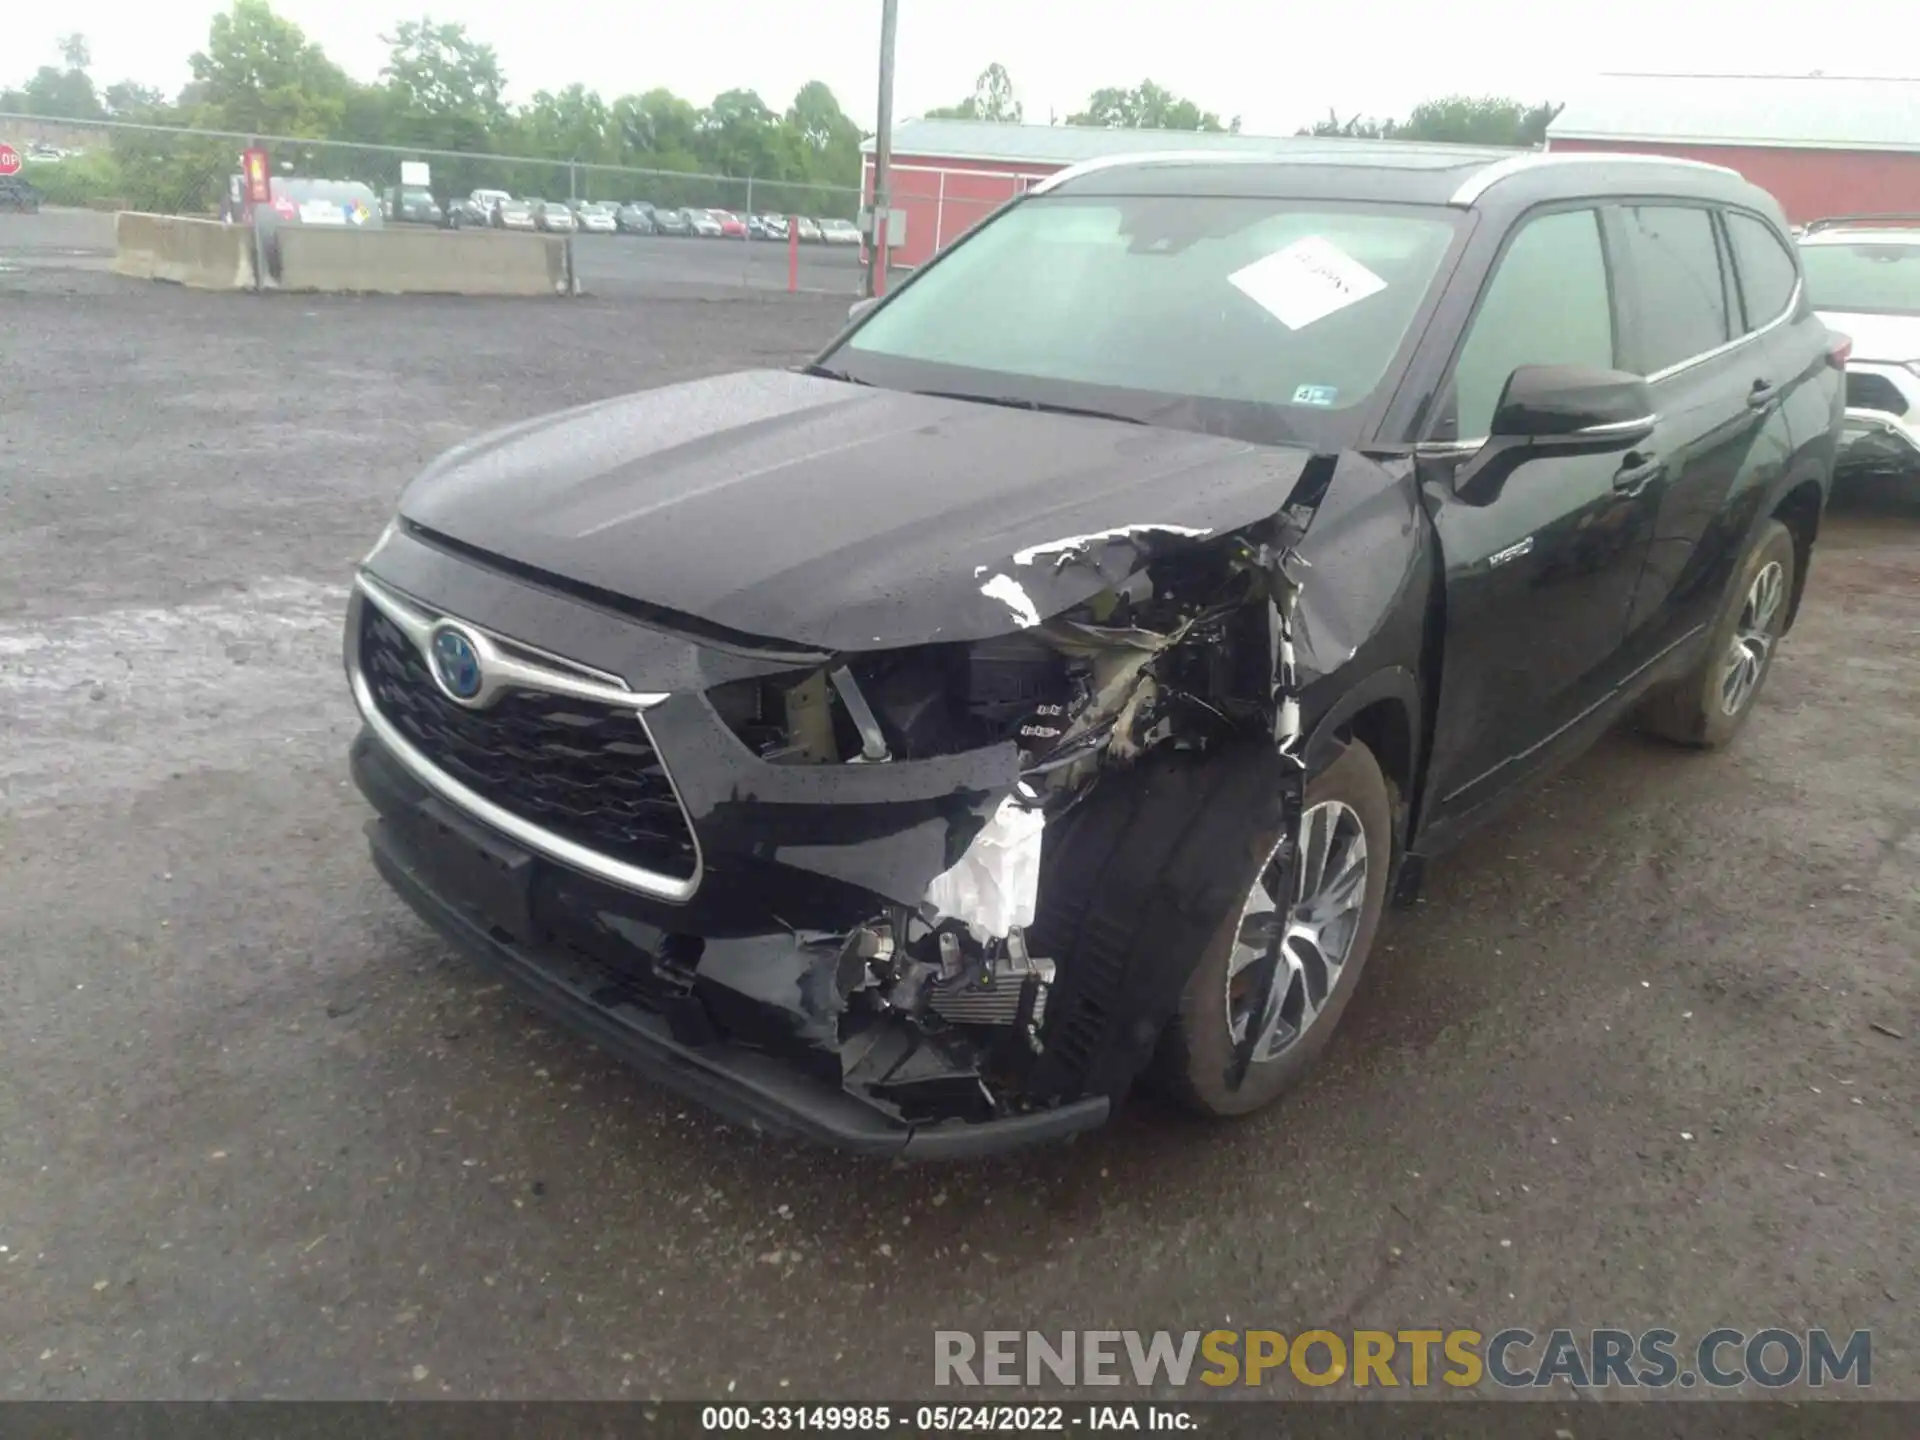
788 507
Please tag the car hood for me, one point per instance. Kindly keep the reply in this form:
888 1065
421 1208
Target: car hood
1882 339
780 506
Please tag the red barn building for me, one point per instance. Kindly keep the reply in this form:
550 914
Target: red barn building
1824 145
948 175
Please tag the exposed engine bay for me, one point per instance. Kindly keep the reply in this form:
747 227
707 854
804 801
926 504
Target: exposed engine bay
940 1005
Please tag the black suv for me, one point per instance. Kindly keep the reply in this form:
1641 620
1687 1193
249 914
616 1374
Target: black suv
1049 685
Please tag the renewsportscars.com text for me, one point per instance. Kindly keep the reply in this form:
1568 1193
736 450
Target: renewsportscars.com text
1512 1358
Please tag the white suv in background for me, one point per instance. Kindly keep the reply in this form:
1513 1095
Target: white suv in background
1863 276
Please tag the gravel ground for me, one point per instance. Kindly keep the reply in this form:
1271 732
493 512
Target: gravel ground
260 1134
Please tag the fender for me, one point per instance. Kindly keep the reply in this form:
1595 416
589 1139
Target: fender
1326 743
1809 470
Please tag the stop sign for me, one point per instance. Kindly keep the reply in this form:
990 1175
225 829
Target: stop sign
9 160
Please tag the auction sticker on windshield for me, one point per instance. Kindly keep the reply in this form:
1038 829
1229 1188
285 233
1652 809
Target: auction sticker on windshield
1307 281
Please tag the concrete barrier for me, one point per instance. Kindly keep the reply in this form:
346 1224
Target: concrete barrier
204 254
410 260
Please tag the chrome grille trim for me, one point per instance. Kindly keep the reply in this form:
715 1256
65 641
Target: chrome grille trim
525 668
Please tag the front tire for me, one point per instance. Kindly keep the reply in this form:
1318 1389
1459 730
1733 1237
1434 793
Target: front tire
1337 890
1708 708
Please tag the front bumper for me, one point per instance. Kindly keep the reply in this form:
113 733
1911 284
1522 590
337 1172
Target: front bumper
427 853
1879 440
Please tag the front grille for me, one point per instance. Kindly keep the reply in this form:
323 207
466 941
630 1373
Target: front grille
1874 392
581 769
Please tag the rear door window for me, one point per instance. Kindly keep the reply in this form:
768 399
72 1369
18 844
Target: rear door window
1678 295
1766 268
1547 304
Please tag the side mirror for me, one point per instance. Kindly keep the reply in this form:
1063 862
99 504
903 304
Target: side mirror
1574 405
861 307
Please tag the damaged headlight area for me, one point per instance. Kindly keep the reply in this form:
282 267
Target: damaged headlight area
1173 652
934 1005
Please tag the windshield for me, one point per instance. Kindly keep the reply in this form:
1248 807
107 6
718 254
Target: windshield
1265 318
1875 276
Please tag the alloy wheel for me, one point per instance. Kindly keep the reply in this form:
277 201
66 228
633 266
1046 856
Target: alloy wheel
1310 938
1753 638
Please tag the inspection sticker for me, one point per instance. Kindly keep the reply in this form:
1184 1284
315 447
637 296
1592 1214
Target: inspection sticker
1315 395
1307 281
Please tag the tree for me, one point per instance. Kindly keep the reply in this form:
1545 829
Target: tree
830 142
1145 107
442 90
572 125
658 129
126 98
58 92
1354 126
440 70
1456 120
992 99
260 73
740 135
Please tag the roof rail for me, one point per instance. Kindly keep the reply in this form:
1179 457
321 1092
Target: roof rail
1832 222
1150 157
1282 148
1481 181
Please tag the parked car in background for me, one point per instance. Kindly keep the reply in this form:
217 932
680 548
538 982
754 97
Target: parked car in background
757 227
775 226
487 203
678 222
732 227
636 217
411 205
18 196
706 224
809 229
1233 536
463 212
596 217
1863 275
553 216
839 232
511 214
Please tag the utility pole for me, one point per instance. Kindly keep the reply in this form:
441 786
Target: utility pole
882 155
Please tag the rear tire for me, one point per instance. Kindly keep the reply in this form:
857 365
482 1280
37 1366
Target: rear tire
1707 708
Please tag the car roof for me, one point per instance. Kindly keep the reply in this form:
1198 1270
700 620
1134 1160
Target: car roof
1863 230
1465 177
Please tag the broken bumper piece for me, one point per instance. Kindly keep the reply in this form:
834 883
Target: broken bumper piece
479 892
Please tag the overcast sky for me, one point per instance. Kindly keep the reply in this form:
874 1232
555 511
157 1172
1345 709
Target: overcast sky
1277 65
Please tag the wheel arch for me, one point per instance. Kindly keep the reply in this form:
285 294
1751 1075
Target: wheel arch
1800 510
1383 712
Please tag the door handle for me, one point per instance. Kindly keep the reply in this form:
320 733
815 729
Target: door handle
1636 472
1761 395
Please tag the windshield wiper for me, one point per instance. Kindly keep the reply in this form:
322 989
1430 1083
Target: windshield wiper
827 372
1045 407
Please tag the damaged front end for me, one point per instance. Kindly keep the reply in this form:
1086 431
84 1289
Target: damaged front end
934 1006
865 944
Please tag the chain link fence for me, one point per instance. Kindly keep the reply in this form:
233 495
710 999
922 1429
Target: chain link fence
108 166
